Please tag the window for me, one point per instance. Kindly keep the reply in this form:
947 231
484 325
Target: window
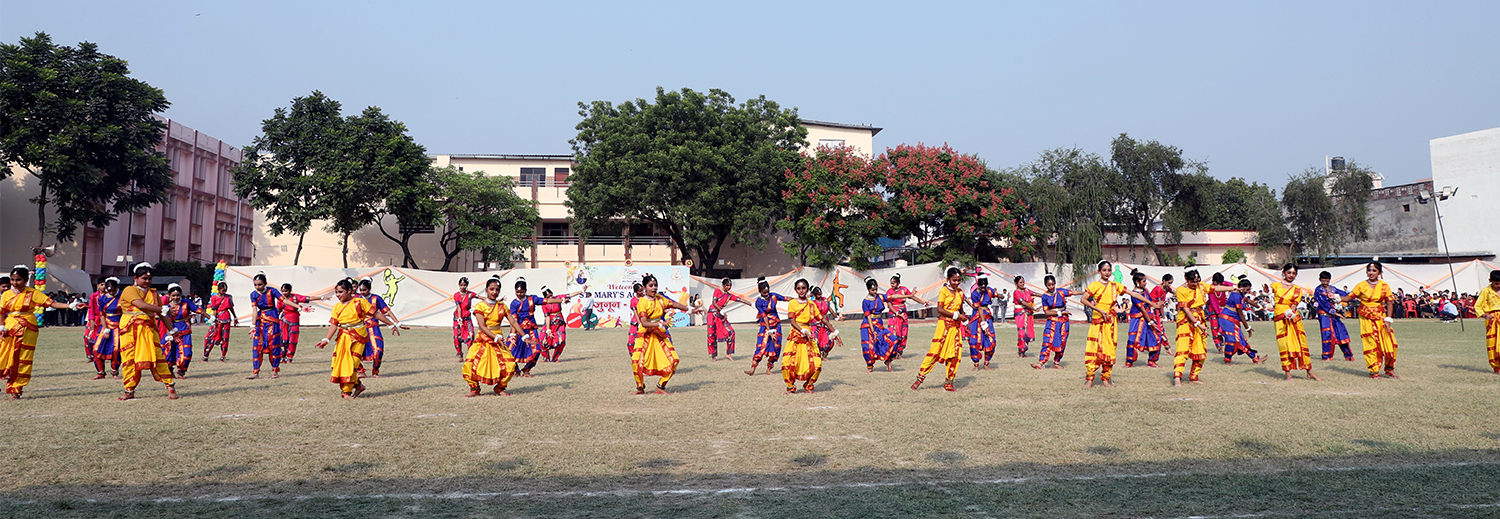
1406 208
559 175
533 176
555 229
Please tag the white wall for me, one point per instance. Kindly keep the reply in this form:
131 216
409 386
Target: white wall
1471 163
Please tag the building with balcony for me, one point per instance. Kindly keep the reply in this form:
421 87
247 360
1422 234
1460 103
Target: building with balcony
201 220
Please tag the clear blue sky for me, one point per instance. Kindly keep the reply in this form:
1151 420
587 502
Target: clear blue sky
1260 90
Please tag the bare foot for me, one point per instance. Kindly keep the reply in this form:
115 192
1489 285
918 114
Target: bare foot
1057 365
348 396
640 391
1196 381
661 391
253 376
472 393
888 368
1088 383
1311 376
977 368
1036 366
359 389
277 374
1288 375
750 372
1107 383
526 374
730 357
1391 375
101 375
171 393
129 395
1176 381
501 392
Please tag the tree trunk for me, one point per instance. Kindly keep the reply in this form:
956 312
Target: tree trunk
298 257
346 250
41 214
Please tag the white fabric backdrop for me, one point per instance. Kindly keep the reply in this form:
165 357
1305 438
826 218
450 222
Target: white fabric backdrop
421 297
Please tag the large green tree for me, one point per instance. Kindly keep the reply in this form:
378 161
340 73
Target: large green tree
946 201
74 119
481 213
312 162
277 175
1152 179
695 164
1071 201
835 209
1350 191
1312 221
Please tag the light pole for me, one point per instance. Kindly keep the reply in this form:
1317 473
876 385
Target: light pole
1423 197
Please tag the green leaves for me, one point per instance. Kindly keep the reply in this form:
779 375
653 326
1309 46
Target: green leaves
695 164
310 163
835 210
76 120
482 213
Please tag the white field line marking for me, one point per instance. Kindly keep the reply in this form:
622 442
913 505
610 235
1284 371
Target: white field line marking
874 484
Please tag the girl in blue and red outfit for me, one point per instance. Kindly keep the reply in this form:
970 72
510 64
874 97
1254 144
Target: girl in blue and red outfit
1333 331
823 328
982 323
266 331
463 310
1146 332
375 348
877 342
719 329
107 340
291 319
94 322
179 339
530 347
222 306
899 324
557 324
1234 329
1055 336
768 341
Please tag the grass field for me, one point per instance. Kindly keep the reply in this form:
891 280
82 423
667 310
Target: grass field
575 441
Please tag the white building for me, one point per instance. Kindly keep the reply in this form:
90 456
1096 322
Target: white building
1470 164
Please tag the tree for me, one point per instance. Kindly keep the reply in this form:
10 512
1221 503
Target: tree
1070 195
1153 178
277 175
1233 255
694 164
944 200
349 171
1236 204
200 275
1312 222
377 162
482 213
835 211
1350 192
74 119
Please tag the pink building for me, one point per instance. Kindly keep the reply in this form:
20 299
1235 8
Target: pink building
201 220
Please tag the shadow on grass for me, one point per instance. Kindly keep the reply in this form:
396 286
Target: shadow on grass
1360 372
373 392
1445 483
684 388
1270 373
534 388
1475 369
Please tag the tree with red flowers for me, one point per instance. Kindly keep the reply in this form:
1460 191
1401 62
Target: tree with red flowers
944 200
835 210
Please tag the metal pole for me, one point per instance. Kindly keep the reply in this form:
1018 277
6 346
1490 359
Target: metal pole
1436 207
